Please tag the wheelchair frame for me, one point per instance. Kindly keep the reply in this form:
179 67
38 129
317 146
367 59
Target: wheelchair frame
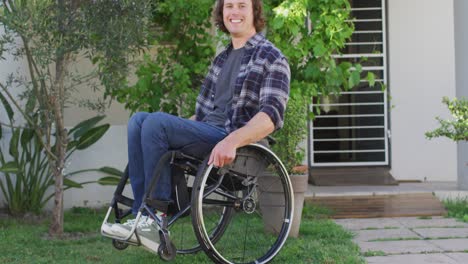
210 181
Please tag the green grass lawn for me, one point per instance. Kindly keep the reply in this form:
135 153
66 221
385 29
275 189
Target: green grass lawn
320 241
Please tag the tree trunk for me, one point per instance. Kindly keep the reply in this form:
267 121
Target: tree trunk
56 227
57 101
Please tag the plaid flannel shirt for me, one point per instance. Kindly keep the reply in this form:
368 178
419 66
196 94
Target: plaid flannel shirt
262 85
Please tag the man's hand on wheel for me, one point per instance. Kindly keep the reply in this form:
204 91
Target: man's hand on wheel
222 154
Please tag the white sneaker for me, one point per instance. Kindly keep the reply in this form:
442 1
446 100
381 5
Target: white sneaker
123 230
107 229
114 230
147 230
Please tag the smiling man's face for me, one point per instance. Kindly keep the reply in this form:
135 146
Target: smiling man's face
238 17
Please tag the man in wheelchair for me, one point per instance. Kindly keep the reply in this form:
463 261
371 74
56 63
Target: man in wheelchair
242 100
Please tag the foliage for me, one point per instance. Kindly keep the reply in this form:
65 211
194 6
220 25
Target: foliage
310 49
292 133
315 71
51 36
170 79
27 176
457 208
456 129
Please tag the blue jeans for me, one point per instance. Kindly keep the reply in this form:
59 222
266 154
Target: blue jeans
150 136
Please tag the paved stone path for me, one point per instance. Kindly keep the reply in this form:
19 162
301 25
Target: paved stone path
410 239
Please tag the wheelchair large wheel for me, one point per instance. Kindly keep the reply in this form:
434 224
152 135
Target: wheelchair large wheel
257 188
183 234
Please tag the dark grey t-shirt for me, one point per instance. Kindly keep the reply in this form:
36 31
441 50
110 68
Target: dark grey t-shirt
225 89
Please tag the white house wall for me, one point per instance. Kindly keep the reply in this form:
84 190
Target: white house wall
421 71
461 42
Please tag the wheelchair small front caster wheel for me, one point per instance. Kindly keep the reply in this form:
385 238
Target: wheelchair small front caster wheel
167 252
119 244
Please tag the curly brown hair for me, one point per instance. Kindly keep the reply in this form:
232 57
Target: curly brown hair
259 20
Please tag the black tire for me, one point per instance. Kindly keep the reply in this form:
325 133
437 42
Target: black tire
245 189
119 244
167 253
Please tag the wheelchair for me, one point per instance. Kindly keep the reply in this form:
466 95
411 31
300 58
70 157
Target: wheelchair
240 213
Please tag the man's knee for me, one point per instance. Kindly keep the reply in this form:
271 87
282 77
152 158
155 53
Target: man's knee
136 120
156 121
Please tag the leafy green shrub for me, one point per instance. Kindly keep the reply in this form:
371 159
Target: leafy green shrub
26 172
291 135
170 79
456 129
310 33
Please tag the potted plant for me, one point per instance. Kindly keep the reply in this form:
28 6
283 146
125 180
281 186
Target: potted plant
310 33
291 154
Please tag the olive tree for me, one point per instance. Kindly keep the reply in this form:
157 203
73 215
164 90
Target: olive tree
52 36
